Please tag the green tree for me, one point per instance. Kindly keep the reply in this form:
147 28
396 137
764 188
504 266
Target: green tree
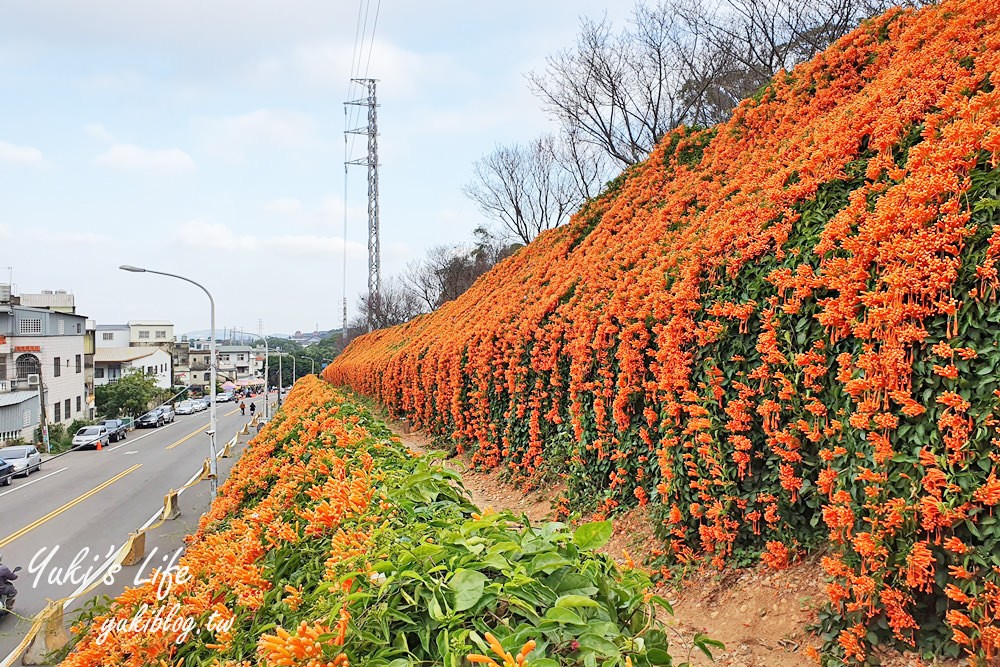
130 396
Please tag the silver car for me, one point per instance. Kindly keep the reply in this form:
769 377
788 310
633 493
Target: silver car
90 436
24 458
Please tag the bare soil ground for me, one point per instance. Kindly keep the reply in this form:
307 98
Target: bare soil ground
761 615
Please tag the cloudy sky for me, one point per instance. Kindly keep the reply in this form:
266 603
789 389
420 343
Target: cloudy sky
206 138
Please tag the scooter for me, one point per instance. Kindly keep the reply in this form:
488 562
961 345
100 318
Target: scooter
7 600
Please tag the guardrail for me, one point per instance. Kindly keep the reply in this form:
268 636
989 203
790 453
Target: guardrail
47 633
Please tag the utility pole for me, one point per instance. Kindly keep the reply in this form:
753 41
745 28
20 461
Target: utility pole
371 161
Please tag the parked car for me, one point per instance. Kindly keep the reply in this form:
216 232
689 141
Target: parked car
25 459
90 436
6 472
152 419
168 413
185 408
116 429
201 404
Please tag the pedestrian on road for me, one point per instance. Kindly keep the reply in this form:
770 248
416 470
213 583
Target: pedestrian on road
6 576
243 408
253 409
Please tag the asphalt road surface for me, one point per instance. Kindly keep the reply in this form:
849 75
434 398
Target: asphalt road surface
62 524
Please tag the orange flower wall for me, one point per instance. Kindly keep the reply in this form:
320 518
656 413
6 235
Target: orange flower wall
780 331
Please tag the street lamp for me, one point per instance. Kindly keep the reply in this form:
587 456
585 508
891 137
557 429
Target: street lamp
213 462
266 368
313 369
279 376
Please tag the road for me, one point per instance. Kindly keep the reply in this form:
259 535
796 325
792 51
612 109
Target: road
80 508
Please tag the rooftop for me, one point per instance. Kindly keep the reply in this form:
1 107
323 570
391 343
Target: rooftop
107 355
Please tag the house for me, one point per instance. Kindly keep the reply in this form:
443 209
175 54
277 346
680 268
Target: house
113 363
41 353
145 333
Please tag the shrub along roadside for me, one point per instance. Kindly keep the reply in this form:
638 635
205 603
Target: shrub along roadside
331 544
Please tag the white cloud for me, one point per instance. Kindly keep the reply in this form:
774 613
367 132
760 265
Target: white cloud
286 206
233 136
135 158
308 245
401 72
26 155
112 82
68 238
98 131
205 234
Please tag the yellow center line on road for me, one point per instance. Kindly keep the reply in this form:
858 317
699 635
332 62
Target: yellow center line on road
56 512
187 437
194 433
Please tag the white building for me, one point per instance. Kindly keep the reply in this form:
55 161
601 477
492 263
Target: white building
41 352
112 363
150 332
113 335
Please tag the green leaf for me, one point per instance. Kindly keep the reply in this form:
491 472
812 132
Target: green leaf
564 616
575 601
468 586
594 535
547 563
597 644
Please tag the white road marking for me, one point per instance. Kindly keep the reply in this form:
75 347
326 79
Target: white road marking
134 451
144 435
37 479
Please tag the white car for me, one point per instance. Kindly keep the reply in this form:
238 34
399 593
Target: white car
200 404
224 397
185 408
24 458
89 436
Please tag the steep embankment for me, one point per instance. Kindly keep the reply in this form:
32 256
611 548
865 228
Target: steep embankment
782 330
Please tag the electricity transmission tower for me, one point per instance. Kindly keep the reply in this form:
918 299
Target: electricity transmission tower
371 161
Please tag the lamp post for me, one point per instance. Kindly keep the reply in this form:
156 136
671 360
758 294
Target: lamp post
279 376
312 371
213 462
266 368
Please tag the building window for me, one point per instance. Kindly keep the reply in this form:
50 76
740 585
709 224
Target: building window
99 373
30 326
143 334
79 403
150 370
79 363
26 418
208 376
68 405
62 327
57 413
27 364
56 367
79 328
3 367
107 335
161 334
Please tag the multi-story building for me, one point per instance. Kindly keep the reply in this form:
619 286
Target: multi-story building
143 333
113 363
62 301
201 373
113 335
41 363
182 362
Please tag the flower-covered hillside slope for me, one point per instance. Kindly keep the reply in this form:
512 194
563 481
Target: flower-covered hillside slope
332 545
782 330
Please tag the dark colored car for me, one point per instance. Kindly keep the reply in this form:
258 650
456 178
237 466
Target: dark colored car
6 472
116 429
152 419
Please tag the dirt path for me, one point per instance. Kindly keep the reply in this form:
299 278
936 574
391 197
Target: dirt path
759 614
